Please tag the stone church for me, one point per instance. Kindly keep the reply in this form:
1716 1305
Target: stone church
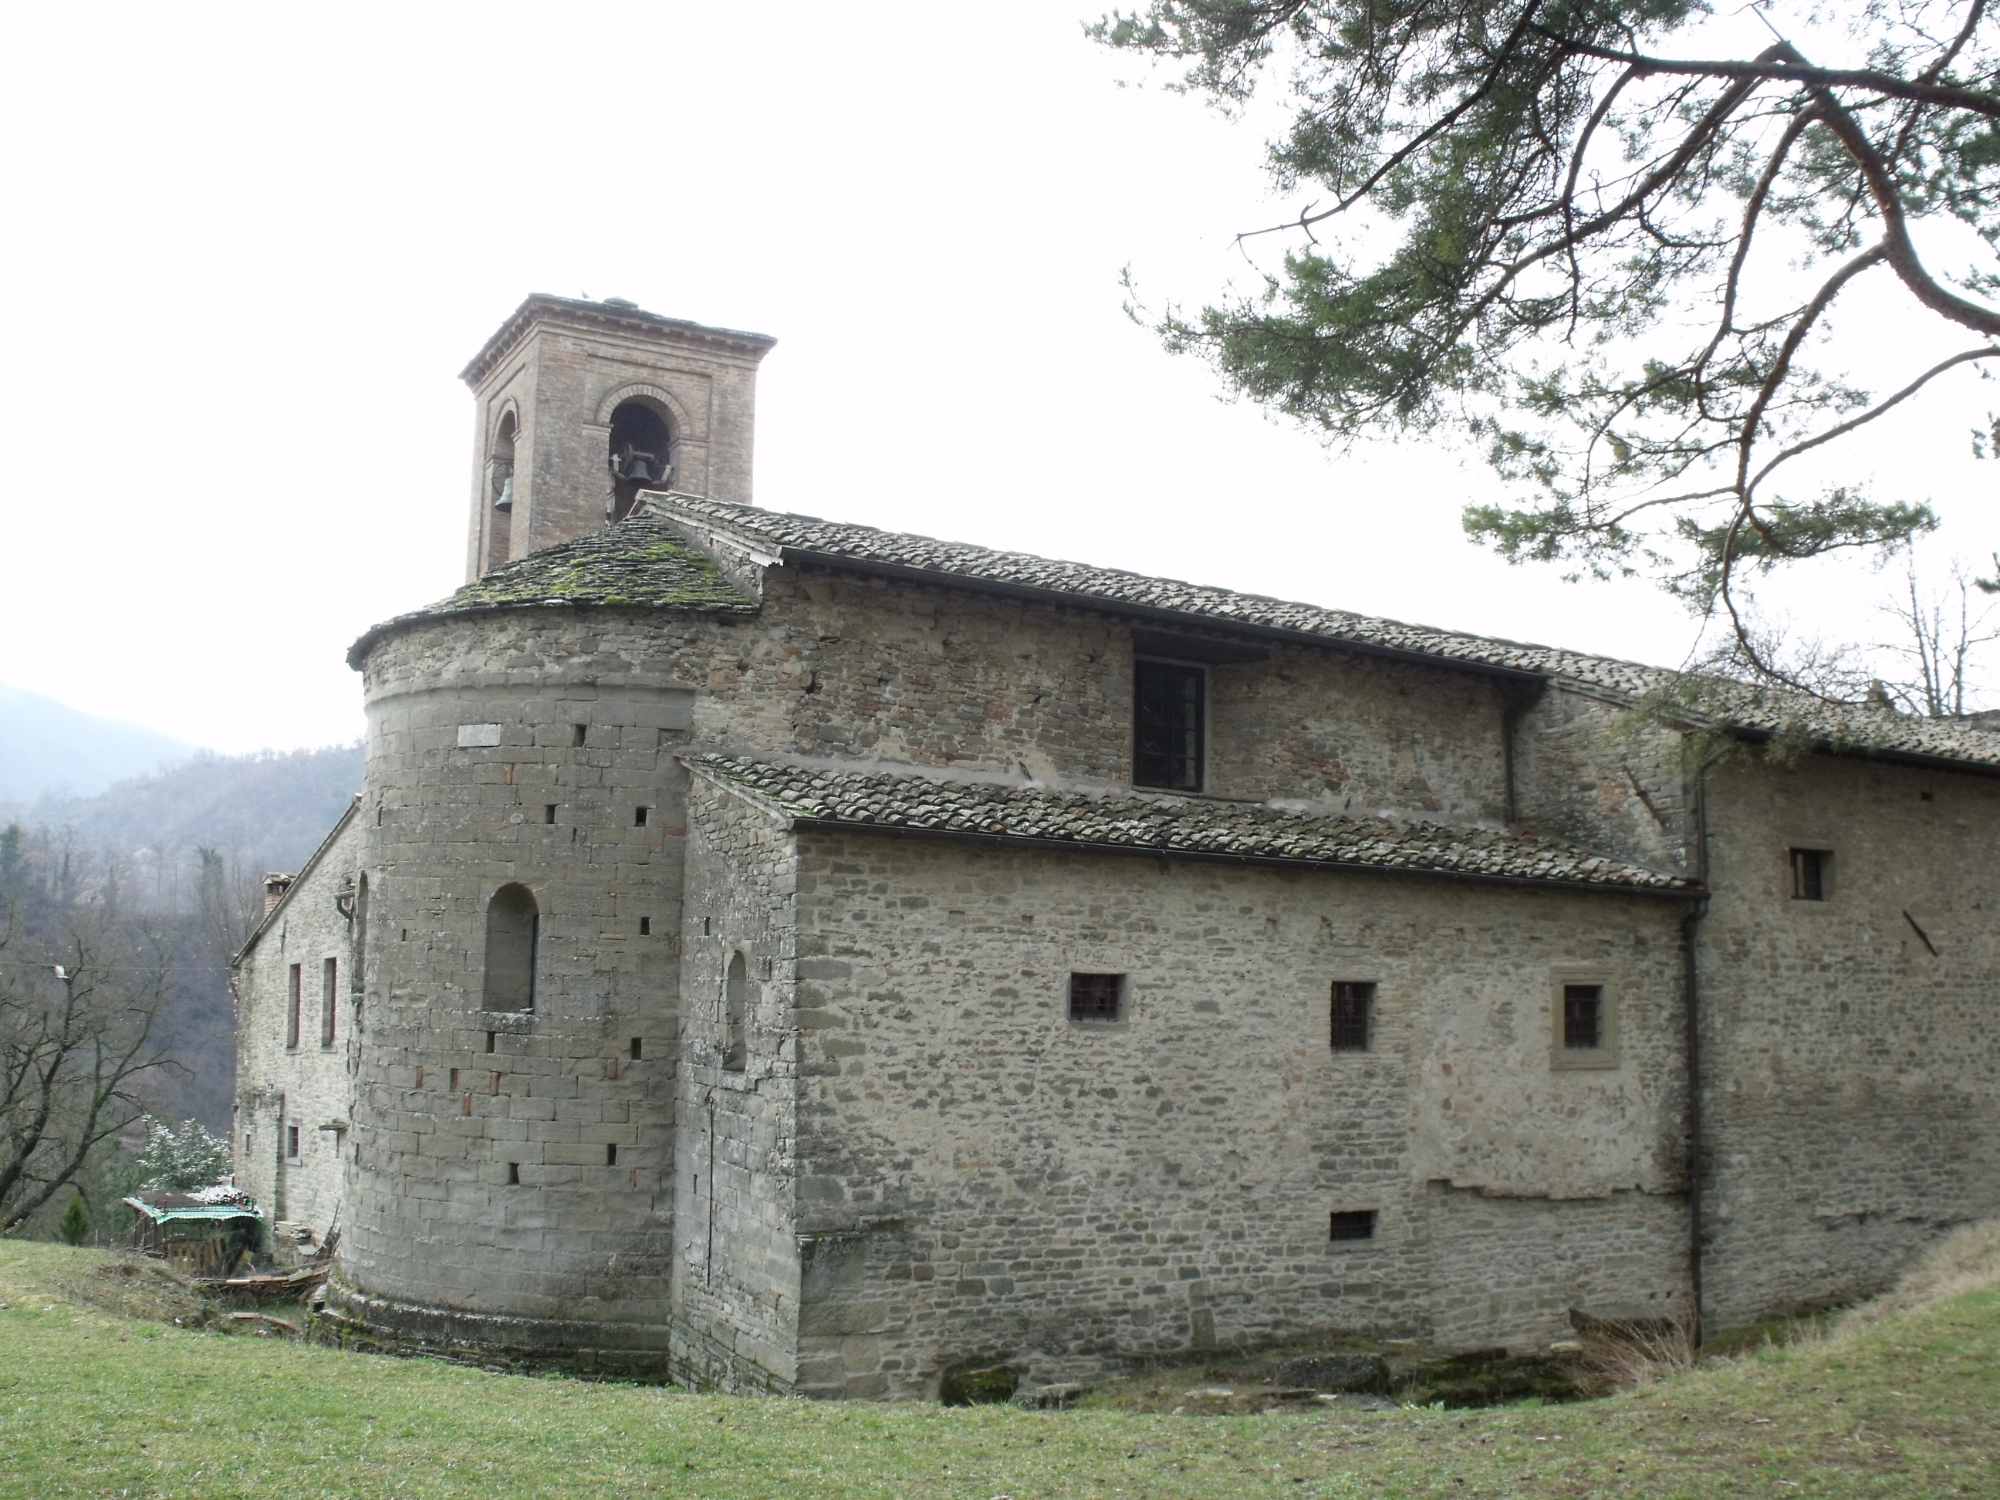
785 955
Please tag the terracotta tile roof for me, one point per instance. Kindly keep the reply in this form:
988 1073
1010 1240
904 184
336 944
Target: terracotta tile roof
1743 706
1196 827
638 563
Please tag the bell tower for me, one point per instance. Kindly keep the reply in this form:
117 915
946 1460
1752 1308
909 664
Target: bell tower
581 405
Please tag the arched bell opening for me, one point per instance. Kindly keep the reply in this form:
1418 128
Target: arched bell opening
641 453
500 493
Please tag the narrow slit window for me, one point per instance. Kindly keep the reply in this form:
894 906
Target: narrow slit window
1353 1005
637 1048
549 812
513 1174
329 999
491 1039
1809 874
610 1153
576 734
1168 727
639 817
1583 1017
1095 997
296 980
645 927
1351 1224
735 1009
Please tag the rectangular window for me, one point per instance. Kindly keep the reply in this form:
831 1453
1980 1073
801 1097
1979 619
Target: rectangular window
327 1002
1095 997
549 812
292 1006
1351 1006
638 817
292 1142
1351 1224
1583 1017
1809 874
1167 725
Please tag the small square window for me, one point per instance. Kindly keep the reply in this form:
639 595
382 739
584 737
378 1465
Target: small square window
1810 869
549 812
1352 1004
1168 727
1351 1224
1583 1017
1095 997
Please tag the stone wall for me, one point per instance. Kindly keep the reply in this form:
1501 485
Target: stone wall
737 1275
305 1088
1850 1106
1589 772
982 1179
520 1161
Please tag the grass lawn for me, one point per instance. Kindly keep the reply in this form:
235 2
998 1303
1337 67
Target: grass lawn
93 1403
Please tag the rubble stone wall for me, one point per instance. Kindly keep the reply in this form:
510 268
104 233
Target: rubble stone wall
1850 1113
983 1179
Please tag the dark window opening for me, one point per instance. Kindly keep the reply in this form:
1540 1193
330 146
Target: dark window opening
292 1142
641 455
638 817
292 1007
1168 727
329 993
1583 1017
1351 1224
513 1174
491 1038
735 1005
548 812
636 1048
610 1154
1095 997
1809 871
645 927
454 1080
576 733
1351 1006
513 929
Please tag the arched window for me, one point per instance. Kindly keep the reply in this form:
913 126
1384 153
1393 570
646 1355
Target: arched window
500 496
735 1005
641 455
512 928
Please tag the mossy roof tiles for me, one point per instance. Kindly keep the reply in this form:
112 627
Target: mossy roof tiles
639 563
1738 705
1193 827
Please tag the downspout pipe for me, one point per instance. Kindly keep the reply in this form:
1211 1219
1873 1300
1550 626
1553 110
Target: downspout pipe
1691 1009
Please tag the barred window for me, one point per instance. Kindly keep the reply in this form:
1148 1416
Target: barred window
1351 1224
1809 872
1095 997
1352 1004
1583 1017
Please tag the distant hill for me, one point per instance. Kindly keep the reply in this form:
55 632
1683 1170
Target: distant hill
271 808
49 748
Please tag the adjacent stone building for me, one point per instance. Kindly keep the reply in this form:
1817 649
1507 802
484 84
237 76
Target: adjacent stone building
800 957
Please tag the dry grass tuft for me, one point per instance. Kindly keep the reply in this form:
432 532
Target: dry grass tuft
1967 1260
1628 1356
136 1286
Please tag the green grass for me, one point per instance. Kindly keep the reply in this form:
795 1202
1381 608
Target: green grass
95 1403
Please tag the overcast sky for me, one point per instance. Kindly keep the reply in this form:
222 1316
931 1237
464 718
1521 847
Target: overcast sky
249 249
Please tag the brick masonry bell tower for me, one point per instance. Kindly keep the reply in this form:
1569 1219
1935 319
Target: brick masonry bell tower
583 404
